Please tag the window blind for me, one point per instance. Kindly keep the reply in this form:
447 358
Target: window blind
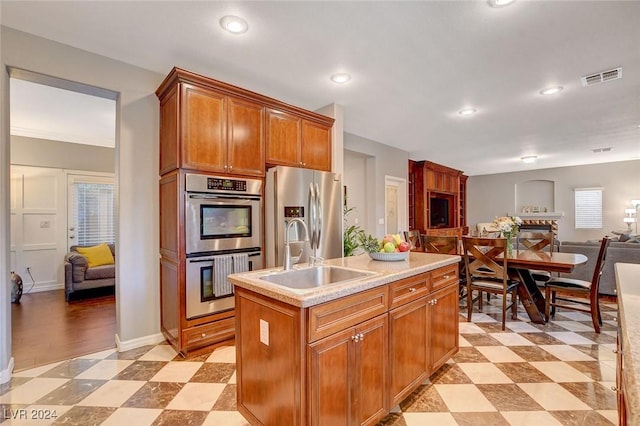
94 210
588 208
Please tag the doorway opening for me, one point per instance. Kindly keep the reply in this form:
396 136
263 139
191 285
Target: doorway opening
60 131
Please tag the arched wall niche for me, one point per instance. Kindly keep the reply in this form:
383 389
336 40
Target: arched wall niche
535 196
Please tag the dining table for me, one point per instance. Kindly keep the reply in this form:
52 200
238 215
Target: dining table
521 262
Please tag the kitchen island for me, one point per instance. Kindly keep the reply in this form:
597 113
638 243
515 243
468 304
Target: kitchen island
347 351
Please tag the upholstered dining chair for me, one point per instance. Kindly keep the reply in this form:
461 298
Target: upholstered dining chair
537 241
487 272
446 245
569 293
413 238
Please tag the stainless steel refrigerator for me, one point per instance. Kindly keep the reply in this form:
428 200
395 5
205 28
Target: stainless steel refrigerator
311 195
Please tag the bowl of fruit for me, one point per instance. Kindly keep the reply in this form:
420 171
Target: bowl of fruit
391 248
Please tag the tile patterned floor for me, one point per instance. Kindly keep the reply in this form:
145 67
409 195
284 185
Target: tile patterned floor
555 374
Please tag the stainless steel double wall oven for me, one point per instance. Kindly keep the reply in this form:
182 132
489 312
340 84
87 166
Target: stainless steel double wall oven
223 235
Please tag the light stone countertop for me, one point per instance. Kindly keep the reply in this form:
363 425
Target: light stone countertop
628 285
383 273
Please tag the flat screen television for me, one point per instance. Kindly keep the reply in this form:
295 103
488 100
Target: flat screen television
439 212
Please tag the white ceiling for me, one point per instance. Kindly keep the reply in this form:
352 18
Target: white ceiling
414 66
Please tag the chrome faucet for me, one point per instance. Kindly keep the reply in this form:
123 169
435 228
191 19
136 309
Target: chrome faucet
287 249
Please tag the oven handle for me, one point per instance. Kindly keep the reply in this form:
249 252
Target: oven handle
220 197
211 259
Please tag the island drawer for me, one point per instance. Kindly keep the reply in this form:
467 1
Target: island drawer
444 276
330 317
409 289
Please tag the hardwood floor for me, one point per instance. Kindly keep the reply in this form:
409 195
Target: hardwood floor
45 328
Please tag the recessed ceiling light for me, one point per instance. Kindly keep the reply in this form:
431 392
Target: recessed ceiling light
467 111
528 159
341 77
551 90
234 24
499 3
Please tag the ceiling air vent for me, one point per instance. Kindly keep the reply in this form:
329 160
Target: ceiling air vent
601 77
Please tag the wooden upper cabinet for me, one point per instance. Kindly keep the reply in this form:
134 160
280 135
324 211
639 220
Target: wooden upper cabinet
283 138
245 148
169 152
211 126
297 142
316 146
204 125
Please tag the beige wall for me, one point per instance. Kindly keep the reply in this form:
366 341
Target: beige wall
138 316
382 160
62 155
494 195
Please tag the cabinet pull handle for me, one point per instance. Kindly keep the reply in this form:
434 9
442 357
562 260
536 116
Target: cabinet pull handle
445 277
412 290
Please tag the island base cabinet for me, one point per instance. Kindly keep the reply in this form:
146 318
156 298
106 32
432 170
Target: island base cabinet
268 361
408 348
443 327
348 375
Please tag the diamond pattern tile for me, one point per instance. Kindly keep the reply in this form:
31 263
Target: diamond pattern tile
560 373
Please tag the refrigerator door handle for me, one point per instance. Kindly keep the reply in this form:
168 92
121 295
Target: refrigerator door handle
312 215
318 216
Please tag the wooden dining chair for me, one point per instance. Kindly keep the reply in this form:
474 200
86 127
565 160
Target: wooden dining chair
487 272
446 245
414 240
537 241
570 293
440 244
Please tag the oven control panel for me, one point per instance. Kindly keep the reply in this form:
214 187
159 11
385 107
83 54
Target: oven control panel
195 182
218 184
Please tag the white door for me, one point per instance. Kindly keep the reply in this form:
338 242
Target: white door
91 217
395 205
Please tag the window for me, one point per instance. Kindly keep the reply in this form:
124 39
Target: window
588 208
92 210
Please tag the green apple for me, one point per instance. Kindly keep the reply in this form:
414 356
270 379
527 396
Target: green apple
389 247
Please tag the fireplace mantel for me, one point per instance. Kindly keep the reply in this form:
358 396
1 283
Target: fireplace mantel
542 215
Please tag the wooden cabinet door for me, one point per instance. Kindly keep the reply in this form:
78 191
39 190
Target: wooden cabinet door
370 393
331 369
283 138
316 146
407 348
443 327
348 375
204 137
245 137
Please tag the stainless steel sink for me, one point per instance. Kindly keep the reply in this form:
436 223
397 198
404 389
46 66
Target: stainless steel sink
315 276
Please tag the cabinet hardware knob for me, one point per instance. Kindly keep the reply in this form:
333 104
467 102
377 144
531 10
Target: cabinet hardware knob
614 388
445 277
230 167
355 338
615 351
412 290
361 336
203 335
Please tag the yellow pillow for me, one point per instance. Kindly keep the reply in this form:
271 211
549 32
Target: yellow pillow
97 255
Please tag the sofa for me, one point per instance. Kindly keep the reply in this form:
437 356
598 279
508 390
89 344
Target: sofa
624 252
78 275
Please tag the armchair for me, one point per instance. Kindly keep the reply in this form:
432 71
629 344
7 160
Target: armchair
79 276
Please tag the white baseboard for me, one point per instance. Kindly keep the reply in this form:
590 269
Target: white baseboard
127 345
5 375
42 287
